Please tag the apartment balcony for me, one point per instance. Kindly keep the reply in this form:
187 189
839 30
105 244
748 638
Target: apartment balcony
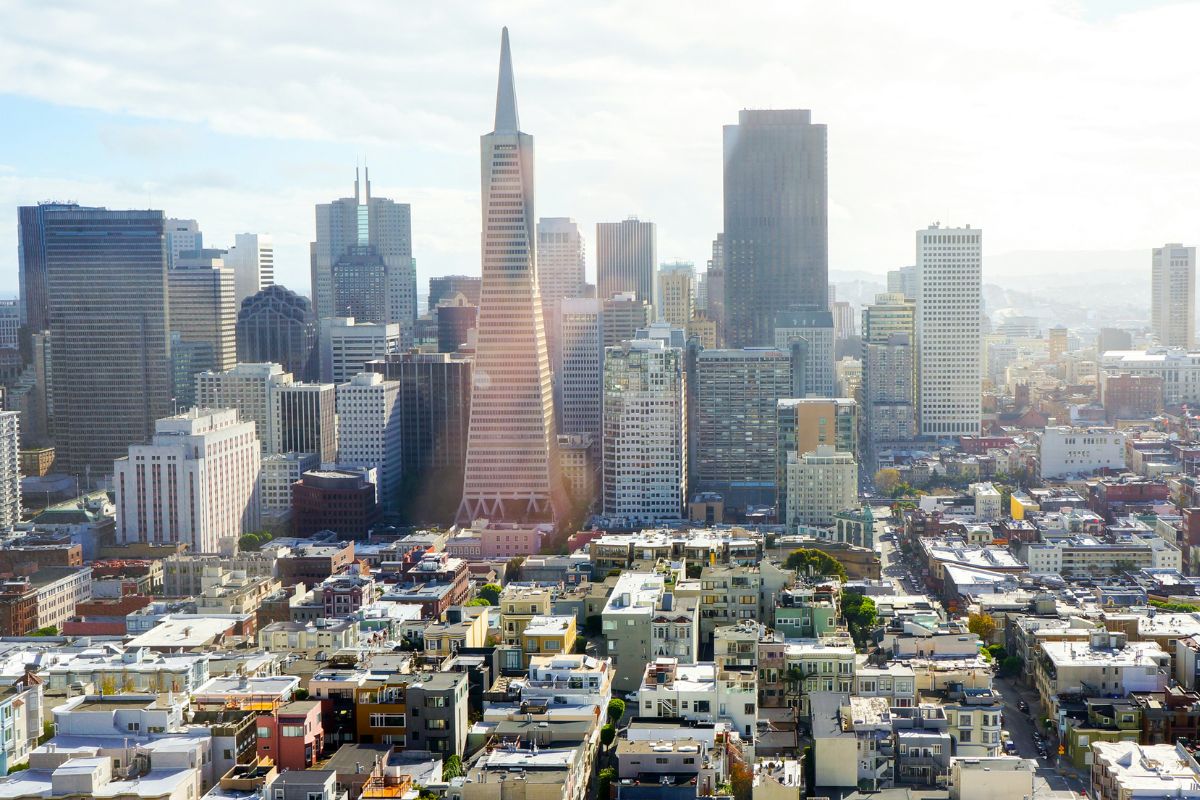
379 787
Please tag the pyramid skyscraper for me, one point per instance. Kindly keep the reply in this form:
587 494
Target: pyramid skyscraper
511 470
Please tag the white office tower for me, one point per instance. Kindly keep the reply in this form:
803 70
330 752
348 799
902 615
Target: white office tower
581 367
304 420
347 345
195 483
182 236
1173 296
369 430
821 483
279 471
10 469
511 472
645 432
246 387
948 314
252 259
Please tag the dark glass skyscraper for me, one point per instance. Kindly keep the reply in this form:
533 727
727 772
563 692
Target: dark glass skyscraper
31 233
107 312
776 222
277 325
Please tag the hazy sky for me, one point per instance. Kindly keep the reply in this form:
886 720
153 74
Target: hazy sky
1052 125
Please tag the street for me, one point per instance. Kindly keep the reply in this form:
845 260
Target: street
1049 784
1020 726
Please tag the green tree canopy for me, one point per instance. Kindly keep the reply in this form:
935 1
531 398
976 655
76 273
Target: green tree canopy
815 562
491 593
478 601
616 710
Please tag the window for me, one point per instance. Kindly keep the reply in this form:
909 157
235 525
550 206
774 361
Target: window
316 796
291 730
435 701
264 733
660 760
387 720
436 724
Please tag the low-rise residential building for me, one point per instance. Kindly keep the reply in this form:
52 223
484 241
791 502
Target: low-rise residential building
308 638
293 736
996 778
1129 771
700 692
548 635
1107 663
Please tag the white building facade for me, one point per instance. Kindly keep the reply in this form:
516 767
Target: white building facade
368 428
821 483
196 482
948 315
247 388
645 432
1067 451
1173 295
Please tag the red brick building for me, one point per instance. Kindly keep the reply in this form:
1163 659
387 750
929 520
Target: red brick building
1132 396
293 737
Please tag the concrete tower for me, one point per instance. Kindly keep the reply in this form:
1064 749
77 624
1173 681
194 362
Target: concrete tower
511 471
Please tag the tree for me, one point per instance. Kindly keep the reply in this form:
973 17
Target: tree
982 625
860 614
300 694
604 779
491 593
886 480
616 710
1011 665
48 630
479 601
580 644
512 571
452 768
607 734
815 562
249 542
741 780
108 685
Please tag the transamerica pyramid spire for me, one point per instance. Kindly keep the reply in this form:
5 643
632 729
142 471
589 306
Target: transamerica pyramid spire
506 91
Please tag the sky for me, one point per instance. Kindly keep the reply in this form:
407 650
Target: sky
1052 125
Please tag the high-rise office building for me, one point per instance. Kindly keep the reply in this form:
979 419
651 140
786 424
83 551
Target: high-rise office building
581 368
714 288
623 316
1173 296
948 314
446 286
434 398
247 388
304 419
810 333
10 324
737 392
456 320
369 429
362 261
560 271
195 483
776 221
181 236
1056 343
106 287
276 325
889 372
804 424
10 469
203 317
821 483
676 302
512 468
645 432
626 255
31 262
348 344
252 259
903 281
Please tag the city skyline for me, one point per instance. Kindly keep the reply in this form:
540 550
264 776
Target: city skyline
219 159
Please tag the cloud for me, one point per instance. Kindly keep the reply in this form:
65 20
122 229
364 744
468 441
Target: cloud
1048 124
